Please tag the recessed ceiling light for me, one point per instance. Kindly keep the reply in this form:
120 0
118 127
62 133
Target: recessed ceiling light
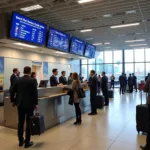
97 44
138 45
75 20
25 45
89 39
125 25
84 1
107 47
60 53
139 40
86 30
31 8
107 16
131 12
106 43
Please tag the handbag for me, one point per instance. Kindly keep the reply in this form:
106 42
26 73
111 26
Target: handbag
70 93
81 93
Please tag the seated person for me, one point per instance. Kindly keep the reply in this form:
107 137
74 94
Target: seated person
63 79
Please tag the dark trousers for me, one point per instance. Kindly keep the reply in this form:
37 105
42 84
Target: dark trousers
112 85
78 110
122 89
93 103
105 94
24 114
135 86
130 88
148 134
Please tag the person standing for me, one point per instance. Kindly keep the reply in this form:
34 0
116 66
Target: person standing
63 79
147 77
104 87
93 84
126 83
99 83
33 75
112 78
130 83
122 81
24 95
53 78
70 79
147 90
134 81
76 99
13 78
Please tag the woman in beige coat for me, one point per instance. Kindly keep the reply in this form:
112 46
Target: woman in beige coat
75 88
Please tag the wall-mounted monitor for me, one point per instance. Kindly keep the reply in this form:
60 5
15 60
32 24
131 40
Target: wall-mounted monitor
58 40
27 30
77 46
90 50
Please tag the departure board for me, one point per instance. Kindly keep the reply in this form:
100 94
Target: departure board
90 51
28 30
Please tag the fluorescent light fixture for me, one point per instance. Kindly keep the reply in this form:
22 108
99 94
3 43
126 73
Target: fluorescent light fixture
139 40
60 53
84 1
138 45
81 57
89 39
75 20
125 25
31 8
97 44
25 45
131 12
107 43
86 30
107 47
107 16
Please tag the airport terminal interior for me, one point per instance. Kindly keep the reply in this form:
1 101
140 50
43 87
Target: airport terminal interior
77 36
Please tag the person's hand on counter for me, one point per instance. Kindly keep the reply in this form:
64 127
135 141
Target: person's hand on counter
60 85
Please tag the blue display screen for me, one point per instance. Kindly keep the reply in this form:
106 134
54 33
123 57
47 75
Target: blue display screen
77 46
90 51
28 30
58 40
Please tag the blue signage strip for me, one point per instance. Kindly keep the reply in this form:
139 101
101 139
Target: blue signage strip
77 46
28 30
58 40
45 68
1 65
90 51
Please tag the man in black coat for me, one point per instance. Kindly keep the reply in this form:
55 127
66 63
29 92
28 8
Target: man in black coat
24 95
93 84
53 78
130 83
134 81
104 88
147 77
122 81
63 79
13 78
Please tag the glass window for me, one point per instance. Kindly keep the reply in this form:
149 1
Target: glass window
91 61
147 68
108 69
118 56
147 51
139 55
90 67
117 71
128 55
100 57
129 68
140 71
84 61
84 71
99 69
108 57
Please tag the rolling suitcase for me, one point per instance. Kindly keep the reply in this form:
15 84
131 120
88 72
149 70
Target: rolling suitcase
111 94
142 117
100 100
37 125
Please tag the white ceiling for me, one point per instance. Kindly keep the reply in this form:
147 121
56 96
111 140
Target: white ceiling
61 13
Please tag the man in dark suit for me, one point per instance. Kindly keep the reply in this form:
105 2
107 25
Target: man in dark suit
104 87
13 78
63 79
147 77
93 83
130 83
122 81
24 95
53 78
134 81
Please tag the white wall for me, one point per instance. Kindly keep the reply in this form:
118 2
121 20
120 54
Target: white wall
20 59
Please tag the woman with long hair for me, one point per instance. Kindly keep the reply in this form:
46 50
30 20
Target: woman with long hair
75 88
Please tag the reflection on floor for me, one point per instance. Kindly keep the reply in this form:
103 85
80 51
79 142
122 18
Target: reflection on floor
114 128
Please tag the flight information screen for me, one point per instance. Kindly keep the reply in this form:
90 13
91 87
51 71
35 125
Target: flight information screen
58 40
90 51
77 46
28 30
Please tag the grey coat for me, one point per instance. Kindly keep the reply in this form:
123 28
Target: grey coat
147 90
75 88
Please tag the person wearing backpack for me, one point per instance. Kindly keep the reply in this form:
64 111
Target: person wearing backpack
76 99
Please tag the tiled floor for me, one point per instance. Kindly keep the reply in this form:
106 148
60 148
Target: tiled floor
114 128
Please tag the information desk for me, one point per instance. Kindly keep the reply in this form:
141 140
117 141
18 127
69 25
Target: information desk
53 105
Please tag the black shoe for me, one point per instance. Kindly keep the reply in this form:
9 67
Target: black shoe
29 144
91 114
144 148
106 104
21 144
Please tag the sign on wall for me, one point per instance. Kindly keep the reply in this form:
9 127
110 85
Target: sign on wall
45 69
2 71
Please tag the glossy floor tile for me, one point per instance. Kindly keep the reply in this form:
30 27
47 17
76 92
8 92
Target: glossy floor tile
114 128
